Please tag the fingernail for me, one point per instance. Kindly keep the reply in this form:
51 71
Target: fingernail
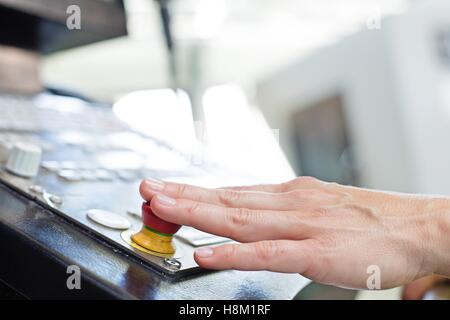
165 200
204 252
154 184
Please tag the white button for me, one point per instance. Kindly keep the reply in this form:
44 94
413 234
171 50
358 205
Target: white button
109 219
24 159
52 166
70 175
5 149
103 174
36 189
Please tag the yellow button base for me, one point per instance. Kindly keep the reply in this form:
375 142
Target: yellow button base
154 241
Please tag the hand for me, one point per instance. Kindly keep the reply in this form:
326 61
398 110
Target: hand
329 233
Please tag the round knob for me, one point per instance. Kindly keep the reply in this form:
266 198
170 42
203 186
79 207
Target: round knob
5 148
24 160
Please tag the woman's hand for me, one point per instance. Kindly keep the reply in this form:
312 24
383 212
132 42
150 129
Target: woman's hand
329 233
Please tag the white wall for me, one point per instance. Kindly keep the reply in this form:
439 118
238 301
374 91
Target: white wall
392 85
422 83
359 68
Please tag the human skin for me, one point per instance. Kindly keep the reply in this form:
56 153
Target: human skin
326 232
416 290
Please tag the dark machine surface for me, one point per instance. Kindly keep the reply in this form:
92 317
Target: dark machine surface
38 240
36 246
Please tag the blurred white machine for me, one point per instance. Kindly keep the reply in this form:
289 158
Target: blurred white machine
374 109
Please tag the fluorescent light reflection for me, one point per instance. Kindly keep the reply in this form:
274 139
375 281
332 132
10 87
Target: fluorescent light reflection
239 137
162 114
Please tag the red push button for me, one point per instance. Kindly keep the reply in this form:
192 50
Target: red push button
152 221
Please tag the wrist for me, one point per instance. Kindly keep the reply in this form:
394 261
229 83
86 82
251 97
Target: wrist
436 238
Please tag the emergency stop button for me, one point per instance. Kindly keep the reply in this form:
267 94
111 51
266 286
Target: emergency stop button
156 234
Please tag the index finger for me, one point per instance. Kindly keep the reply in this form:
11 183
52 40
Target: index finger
237 197
240 224
220 197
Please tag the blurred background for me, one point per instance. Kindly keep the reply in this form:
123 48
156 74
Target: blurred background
352 91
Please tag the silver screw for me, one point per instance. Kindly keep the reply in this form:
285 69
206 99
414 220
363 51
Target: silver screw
172 264
55 199
36 189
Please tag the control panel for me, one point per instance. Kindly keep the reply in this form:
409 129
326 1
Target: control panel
81 162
